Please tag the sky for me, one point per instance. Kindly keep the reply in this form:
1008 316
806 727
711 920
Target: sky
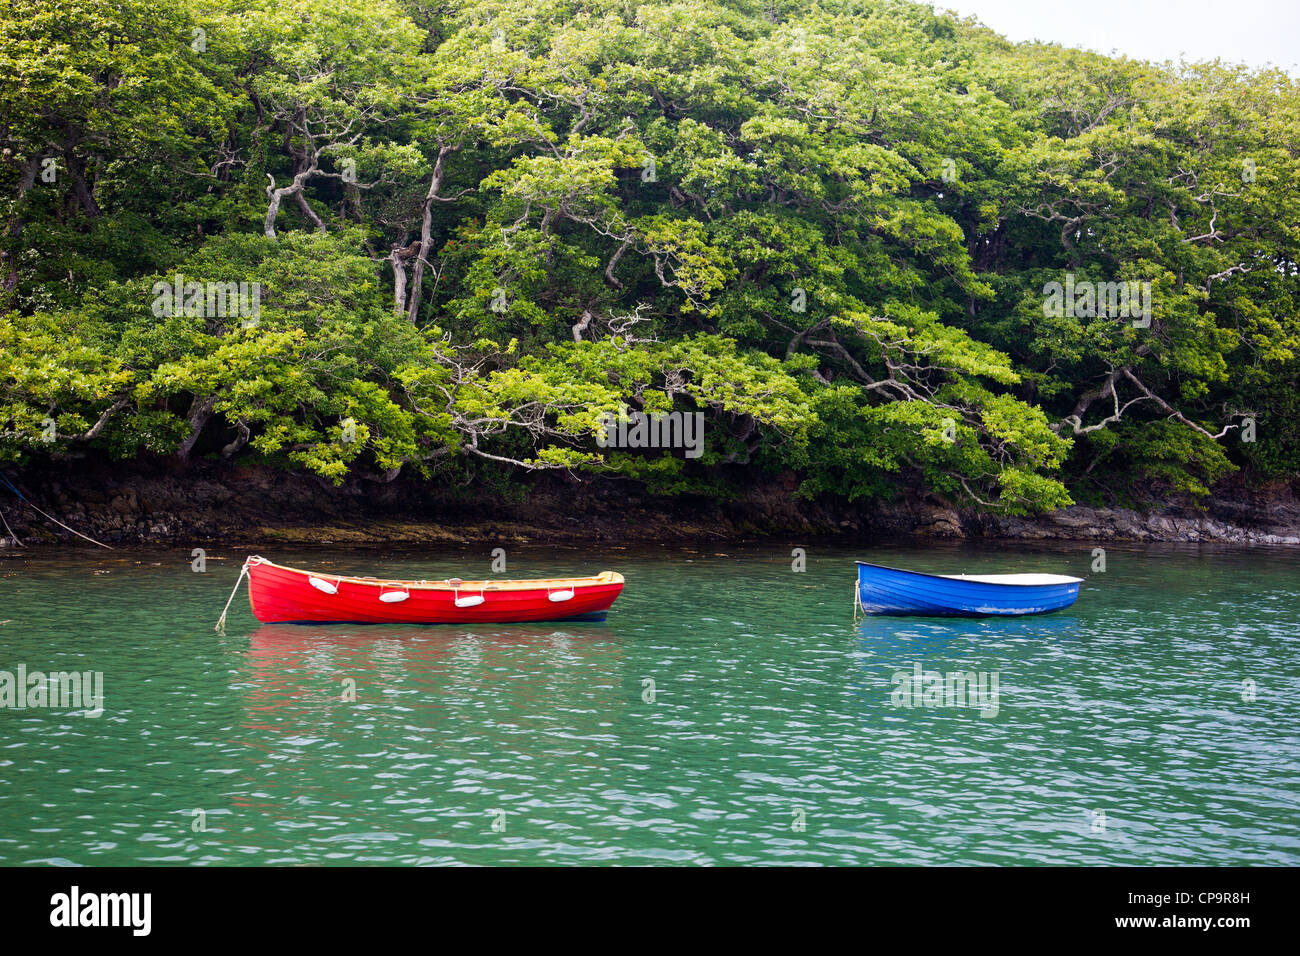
1255 32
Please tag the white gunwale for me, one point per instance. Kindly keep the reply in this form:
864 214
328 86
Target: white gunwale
1011 580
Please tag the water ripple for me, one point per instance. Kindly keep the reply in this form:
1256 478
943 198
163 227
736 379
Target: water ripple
729 712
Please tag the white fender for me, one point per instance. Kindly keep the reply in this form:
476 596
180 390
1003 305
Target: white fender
558 596
325 586
474 600
394 597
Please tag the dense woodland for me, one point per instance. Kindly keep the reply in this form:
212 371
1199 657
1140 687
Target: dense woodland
477 225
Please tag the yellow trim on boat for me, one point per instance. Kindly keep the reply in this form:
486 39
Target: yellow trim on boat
605 577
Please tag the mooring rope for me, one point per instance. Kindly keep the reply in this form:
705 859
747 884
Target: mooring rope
51 517
857 602
11 531
221 621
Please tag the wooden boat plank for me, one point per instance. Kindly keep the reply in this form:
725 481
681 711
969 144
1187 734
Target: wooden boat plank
281 594
885 590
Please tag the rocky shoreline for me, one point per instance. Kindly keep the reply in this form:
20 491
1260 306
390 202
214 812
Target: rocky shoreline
212 504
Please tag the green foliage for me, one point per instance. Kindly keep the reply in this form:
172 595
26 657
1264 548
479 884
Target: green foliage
1158 456
829 228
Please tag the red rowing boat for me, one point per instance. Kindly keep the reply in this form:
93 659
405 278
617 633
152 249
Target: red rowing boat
281 594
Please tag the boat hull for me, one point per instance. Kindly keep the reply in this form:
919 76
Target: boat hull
284 595
893 591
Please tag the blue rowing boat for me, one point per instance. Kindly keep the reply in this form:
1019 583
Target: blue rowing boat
883 590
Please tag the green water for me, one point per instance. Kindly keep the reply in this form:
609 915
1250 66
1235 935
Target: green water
770 735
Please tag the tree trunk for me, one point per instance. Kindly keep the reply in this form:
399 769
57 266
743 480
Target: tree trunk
311 213
15 229
398 263
276 195
82 192
200 412
426 234
239 441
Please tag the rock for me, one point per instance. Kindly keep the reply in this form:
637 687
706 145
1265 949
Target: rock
212 499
